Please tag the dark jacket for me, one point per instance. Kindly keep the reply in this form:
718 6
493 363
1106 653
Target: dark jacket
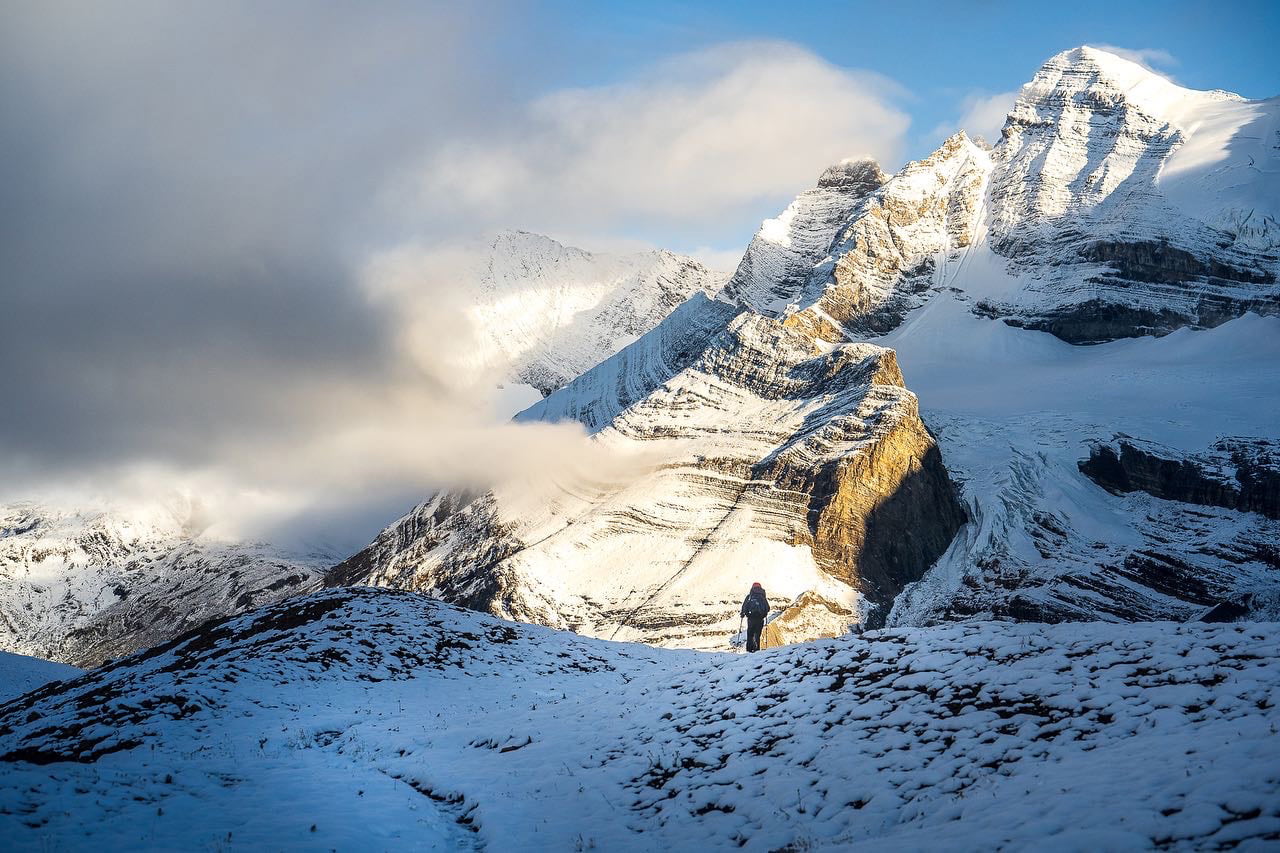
761 604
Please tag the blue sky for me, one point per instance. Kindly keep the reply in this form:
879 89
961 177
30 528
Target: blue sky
937 50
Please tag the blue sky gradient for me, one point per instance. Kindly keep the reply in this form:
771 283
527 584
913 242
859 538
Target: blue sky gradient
939 52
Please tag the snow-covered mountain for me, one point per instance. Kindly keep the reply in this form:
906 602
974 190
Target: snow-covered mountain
1116 205
748 450
85 585
375 719
545 312
94 582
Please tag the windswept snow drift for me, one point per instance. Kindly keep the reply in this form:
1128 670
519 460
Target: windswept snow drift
357 719
21 674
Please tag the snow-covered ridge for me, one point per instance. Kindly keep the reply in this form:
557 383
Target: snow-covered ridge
545 312
92 583
781 256
447 729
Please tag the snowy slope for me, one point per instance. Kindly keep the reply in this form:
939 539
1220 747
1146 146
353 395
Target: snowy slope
1015 411
544 312
21 674
363 719
85 585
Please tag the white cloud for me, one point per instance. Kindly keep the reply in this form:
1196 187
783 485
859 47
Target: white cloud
720 260
192 198
695 138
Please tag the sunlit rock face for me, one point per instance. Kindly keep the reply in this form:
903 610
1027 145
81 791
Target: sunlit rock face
772 451
809 617
885 260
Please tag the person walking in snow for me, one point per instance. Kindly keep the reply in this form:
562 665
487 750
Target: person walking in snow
755 607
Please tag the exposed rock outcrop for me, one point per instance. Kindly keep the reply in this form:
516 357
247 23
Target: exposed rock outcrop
1241 474
809 617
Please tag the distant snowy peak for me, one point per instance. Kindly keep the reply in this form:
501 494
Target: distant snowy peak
1117 204
86 584
545 312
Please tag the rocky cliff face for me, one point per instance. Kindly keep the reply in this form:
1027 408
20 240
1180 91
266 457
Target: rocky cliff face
82 587
770 456
1241 474
1126 203
885 260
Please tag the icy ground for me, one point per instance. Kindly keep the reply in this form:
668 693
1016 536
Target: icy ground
374 719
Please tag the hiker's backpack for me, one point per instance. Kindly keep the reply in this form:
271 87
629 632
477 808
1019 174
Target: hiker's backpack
757 605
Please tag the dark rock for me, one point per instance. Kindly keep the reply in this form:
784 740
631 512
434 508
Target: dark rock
1241 474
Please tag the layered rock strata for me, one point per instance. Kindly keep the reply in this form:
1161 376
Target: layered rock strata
769 456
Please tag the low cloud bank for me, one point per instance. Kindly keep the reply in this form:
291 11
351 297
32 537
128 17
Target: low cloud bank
196 197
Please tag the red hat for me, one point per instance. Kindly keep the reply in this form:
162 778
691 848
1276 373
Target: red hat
756 584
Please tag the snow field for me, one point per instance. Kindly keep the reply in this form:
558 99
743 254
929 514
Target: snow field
386 719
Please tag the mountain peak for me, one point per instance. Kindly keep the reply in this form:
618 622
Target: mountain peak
1106 80
861 175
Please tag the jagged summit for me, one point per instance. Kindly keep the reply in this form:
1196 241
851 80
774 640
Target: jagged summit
781 256
854 176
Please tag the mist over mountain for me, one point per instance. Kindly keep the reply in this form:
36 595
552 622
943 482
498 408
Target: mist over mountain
997 431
